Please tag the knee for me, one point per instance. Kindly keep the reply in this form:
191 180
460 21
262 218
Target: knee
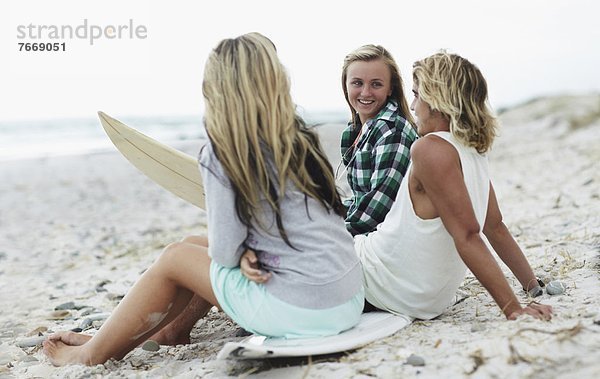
180 250
169 254
173 249
196 240
167 260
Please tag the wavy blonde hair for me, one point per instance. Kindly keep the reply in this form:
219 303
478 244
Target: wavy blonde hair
368 53
455 87
256 134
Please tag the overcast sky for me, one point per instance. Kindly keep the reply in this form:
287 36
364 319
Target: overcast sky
524 48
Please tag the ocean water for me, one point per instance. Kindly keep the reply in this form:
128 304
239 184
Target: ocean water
60 137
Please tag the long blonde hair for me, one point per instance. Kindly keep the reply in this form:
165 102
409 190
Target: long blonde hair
455 87
367 53
254 129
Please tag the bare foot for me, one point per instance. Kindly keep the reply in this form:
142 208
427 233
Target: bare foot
70 338
61 354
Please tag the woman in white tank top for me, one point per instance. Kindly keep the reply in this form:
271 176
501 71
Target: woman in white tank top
417 258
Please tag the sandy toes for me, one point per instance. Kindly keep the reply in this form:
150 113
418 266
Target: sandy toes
70 338
61 354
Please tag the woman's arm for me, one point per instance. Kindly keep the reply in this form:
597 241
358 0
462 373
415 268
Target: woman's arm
226 233
505 245
436 167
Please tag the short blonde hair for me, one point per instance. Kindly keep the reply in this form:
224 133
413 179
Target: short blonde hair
455 87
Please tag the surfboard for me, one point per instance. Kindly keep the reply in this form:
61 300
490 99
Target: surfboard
172 169
372 327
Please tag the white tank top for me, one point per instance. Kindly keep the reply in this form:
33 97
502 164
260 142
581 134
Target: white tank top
411 265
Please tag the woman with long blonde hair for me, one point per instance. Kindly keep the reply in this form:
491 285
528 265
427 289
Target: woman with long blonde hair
375 146
272 205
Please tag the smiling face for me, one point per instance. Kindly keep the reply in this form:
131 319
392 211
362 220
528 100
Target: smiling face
369 85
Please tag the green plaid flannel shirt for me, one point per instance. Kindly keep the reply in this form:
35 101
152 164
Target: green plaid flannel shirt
375 167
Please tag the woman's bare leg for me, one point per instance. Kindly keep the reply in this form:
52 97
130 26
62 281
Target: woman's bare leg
177 332
158 297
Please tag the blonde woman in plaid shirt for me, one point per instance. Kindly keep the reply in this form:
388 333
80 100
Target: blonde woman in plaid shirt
376 144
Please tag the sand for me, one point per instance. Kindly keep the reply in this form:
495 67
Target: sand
81 229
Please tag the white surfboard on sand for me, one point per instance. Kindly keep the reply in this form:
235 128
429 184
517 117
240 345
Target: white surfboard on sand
178 172
372 327
170 168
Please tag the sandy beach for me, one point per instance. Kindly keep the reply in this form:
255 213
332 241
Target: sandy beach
77 231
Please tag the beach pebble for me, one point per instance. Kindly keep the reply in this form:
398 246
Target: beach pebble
556 287
91 319
536 291
37 331
86 323
59 315
415 360
64 306
30 342
99 316
114 296
150 345
100 286
87 311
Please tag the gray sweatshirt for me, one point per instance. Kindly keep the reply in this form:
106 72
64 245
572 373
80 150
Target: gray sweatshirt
323 272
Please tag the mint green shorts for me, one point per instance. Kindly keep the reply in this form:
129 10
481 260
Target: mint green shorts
254 309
